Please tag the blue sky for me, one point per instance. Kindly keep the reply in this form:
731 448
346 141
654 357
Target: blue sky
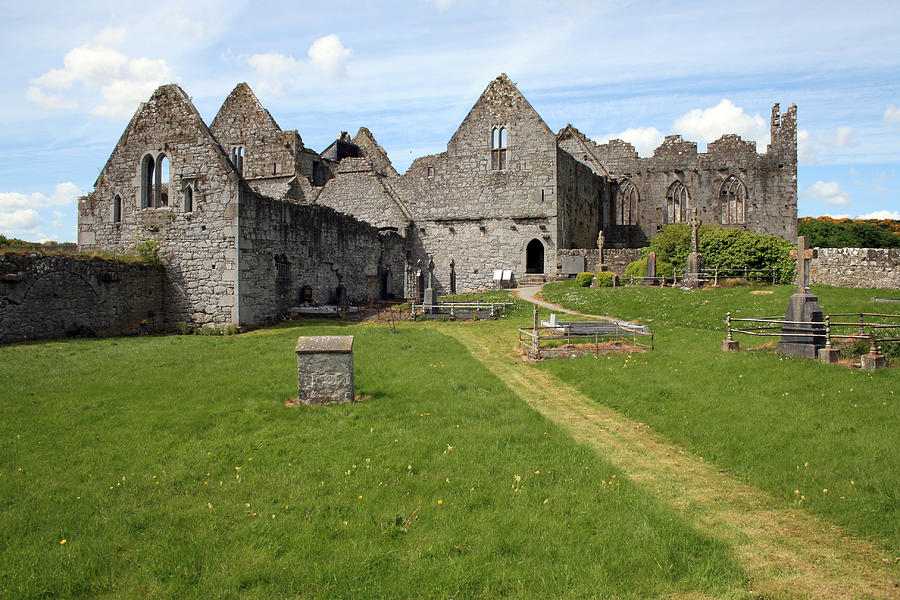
75 72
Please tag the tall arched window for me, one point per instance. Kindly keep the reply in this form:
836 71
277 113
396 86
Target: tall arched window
162 180
627 203
188 198
733 201
148 177
237 158
677 200
498 148
117 209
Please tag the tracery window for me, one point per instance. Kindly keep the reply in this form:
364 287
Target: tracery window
237 158
733 201
627 203
498 148
677 200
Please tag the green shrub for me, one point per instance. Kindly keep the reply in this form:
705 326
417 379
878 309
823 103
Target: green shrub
636 268
584 279
605 279
148 251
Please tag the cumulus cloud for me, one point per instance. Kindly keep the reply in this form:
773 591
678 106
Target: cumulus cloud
892 114
829 193
644 139
882 214
65 194
277 73
841 138
328 54
709 124
123 82
24 223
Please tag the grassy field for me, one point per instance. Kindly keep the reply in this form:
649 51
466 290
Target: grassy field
823 437
170 467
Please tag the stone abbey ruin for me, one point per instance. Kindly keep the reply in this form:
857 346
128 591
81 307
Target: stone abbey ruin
249 222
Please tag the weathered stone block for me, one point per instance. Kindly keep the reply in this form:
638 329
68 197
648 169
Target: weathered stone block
325 369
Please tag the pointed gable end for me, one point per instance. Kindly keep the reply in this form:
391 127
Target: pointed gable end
500 106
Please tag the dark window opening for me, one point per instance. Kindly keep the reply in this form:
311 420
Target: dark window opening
626 204
117 209
188 198
148 176
282 268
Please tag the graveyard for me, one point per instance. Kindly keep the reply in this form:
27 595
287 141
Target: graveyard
170 465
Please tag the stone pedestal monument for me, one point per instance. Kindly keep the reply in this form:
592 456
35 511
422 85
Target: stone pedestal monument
808 336
325 369
693 271
601 262
429 300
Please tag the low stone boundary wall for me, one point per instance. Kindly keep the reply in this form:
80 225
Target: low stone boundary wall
856 267
616 258
48 296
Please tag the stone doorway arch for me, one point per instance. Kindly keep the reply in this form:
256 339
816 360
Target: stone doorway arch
534 256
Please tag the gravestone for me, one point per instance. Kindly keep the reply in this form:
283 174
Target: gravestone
452 276
651 270
805 338
694 267
573 265
325 369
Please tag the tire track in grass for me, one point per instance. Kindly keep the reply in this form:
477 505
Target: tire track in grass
786 552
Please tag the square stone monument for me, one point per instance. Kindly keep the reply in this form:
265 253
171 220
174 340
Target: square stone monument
325 369
806 335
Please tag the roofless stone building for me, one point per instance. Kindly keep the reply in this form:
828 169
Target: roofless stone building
250 222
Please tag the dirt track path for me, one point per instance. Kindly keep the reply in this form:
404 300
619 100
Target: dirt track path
787 553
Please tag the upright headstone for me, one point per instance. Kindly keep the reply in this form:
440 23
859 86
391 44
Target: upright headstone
420 280
694 268
429 300
601 259
803 333
325 369
651 270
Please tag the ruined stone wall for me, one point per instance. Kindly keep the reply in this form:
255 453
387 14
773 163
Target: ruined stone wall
856 267
359 191
770 179
47 296
616 259
321 248
580 203
198 247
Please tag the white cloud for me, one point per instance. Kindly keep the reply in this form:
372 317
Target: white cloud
829 193
328 54
882 214
644 139
892 114
709 124
22 223
123 82
807 149
65 194
841 138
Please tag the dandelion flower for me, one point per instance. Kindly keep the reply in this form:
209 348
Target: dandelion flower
546 500
440 501
62 542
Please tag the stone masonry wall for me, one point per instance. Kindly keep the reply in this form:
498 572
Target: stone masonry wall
856 267
321 248
199 247
580 203
46 296
359 191
615 258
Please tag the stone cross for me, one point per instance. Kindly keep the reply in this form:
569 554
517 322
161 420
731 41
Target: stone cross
695 225
601 240
452 276
430 271
803 254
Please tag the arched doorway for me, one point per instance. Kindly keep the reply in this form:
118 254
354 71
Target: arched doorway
534 257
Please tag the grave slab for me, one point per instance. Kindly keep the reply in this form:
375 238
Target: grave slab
325 369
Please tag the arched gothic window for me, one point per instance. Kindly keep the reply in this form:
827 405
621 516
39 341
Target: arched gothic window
677 200
162 180
188 198
627 203
148 177
733 201
498 148
237 158
117 209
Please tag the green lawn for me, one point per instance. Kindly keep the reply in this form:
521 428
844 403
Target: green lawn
171 468
792 427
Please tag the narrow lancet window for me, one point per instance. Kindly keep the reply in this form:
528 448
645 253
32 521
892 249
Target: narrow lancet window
498 148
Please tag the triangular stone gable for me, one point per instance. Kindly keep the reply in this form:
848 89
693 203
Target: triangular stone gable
242 109
501 104
583 149
372 150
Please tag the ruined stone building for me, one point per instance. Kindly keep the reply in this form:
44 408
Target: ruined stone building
250 222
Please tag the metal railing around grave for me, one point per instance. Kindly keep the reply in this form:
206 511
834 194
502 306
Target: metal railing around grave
826 330
713 275
580 337
460 310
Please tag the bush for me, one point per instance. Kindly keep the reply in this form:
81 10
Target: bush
584 279
148 251
636 269
605 279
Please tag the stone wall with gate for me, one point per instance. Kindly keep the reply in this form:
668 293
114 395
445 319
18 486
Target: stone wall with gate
47 296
